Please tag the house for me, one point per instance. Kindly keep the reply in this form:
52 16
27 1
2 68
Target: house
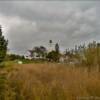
63 59
28 57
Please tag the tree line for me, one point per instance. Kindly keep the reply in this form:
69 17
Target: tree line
88 55
41 52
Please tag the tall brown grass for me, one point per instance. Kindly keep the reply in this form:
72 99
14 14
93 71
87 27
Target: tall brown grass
51 82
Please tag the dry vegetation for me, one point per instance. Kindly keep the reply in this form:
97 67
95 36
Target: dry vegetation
49 82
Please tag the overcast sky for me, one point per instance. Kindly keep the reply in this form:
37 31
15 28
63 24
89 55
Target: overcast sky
28 24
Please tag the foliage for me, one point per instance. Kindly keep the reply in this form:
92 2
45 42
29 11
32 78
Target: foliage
39 52
13 57
53 56
3 46
91 54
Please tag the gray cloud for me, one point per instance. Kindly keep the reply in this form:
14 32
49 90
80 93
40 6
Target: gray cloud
27 24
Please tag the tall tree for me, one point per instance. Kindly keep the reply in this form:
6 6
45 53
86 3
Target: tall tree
3 46
43 51
39 51
57 47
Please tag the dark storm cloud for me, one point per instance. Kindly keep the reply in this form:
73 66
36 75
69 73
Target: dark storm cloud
27 24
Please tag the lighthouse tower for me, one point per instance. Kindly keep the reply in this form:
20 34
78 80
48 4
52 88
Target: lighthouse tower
50 46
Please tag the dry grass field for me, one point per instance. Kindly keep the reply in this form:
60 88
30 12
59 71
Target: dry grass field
49 82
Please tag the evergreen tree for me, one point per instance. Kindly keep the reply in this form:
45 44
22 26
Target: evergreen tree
3 46
57 47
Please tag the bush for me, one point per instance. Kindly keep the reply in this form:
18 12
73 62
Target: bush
53 56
